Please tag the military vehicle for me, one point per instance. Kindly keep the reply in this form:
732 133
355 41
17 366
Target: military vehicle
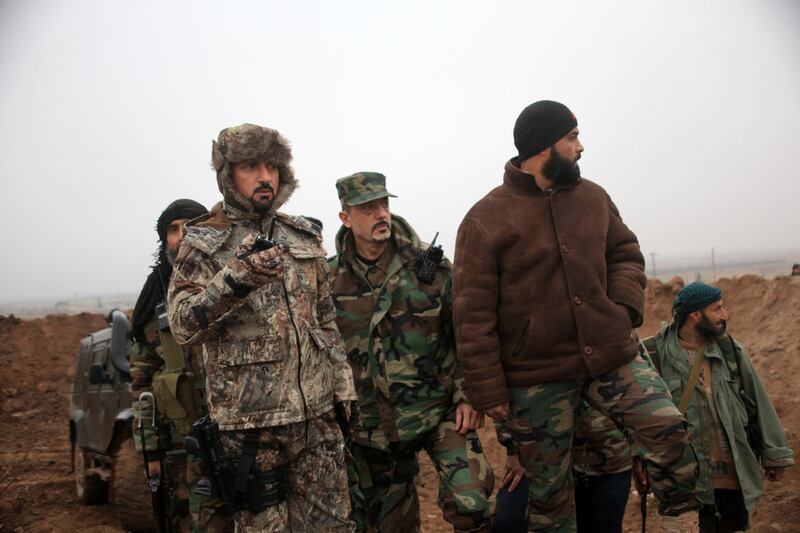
105 463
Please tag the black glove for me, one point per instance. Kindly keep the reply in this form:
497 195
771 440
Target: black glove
347 416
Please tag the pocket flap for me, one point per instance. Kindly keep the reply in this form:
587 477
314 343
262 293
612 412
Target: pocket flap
251 351
306 251
319 338
165 389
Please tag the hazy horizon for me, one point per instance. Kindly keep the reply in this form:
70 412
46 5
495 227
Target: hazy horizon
686 110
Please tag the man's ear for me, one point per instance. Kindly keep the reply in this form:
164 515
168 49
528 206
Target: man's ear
345 218
696 316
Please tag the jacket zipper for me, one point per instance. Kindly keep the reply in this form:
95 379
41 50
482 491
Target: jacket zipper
299 353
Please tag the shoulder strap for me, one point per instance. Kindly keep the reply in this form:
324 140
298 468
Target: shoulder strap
683 404
652 350
732 358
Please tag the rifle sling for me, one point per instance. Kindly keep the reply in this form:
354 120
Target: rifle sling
683 404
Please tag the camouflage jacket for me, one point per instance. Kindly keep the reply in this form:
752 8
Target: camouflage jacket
178 390
399 340
273 357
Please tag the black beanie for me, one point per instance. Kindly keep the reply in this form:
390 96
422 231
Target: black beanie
540 126
183 208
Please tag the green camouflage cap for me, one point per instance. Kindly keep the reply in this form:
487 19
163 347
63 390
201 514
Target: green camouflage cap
362 187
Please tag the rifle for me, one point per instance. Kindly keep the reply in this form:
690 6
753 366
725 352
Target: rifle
643 509
642 484
218 467
154 483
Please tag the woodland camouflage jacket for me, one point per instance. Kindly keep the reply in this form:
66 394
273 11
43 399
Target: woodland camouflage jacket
399 340
273 357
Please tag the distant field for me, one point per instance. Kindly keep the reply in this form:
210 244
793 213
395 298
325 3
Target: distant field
101 304
689 268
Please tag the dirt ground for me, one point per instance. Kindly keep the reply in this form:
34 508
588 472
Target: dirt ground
36 368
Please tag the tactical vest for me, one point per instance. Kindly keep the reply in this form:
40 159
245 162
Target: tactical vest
179 386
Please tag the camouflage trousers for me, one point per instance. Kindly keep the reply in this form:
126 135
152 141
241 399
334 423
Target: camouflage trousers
312 453
542 424
385 500
204 510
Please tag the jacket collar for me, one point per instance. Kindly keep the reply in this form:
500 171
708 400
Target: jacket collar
521 182
672 344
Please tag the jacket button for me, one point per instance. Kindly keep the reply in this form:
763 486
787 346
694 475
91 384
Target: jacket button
578 300
565 248
587 350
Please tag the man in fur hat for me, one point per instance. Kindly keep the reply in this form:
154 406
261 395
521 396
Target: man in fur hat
277 380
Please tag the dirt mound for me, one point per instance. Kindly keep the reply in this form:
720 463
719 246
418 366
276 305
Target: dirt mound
37 363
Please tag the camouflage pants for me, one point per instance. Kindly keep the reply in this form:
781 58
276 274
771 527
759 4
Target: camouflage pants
204 510
382 489
542 423
316 477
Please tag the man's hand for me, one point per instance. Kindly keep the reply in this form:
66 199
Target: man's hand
498 412
640 479
256 268
154 467
774 473
467 418
514 473
264 262
347 415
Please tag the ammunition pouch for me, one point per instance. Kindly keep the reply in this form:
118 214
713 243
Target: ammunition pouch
175 398
257 490
265 489
177 392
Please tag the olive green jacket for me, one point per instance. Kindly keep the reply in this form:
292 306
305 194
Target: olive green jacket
775 452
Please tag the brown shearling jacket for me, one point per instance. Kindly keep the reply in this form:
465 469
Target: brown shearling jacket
548 286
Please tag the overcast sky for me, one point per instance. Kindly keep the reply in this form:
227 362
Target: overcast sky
688 112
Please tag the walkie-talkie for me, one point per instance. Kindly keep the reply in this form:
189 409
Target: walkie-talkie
426 271
262 242
265 242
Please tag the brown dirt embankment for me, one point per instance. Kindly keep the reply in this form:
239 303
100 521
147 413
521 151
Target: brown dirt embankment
37 364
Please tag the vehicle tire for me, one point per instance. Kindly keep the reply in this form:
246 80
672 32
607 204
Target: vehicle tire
89 487
129 492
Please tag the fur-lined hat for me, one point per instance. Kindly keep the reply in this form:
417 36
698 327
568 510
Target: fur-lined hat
249 142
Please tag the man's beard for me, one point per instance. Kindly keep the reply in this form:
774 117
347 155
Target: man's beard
560 170
172 255
388 234
707 329
262 206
